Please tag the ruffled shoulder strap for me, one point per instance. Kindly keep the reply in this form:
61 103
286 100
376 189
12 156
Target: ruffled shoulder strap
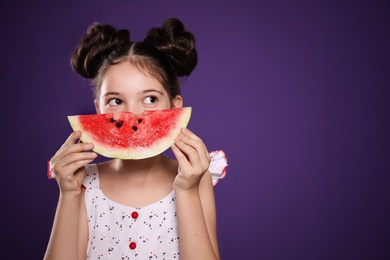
218 165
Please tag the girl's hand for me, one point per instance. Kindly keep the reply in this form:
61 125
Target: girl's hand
69 161
193 158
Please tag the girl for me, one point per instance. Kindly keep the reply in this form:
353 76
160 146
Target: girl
155 208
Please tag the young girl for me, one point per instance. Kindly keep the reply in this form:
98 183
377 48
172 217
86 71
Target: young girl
155 208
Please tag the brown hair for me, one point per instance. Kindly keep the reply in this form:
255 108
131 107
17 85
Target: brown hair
167 53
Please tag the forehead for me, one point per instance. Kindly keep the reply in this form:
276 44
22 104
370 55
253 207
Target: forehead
128 77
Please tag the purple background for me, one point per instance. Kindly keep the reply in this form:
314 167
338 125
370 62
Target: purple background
295 92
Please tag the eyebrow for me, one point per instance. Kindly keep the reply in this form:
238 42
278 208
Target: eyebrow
113 93
152 90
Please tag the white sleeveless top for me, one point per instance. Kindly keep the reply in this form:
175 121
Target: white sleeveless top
121 232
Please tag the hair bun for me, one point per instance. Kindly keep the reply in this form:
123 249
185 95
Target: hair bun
177 44
99 43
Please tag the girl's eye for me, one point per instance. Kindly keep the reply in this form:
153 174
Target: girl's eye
115 102
150 100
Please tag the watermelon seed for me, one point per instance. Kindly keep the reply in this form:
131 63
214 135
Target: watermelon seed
139 121
119 124
112 120
135 128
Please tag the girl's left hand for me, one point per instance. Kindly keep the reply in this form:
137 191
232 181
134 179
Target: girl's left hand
193 158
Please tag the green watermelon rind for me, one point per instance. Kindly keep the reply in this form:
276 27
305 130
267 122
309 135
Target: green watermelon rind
133 153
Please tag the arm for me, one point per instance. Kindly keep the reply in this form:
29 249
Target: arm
69 236
195 199
68 239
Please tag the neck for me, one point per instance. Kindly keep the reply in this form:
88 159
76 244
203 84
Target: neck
140 171
143 166
137 165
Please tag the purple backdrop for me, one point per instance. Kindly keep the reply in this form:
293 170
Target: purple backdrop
295 92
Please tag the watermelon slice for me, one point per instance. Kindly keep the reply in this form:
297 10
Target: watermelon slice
129 136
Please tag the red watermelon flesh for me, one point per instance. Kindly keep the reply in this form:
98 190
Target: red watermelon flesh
129 136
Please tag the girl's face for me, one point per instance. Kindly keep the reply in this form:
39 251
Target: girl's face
127 89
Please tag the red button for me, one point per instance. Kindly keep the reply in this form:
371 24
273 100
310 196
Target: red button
134 215
132 245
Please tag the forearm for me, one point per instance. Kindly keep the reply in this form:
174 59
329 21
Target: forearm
195 240
63 243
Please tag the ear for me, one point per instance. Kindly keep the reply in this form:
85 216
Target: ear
177 102
96 106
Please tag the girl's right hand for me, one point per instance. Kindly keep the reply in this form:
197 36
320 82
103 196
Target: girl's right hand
69 161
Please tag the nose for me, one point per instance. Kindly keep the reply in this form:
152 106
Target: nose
133 108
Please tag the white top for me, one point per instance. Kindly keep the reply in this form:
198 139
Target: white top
120 232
